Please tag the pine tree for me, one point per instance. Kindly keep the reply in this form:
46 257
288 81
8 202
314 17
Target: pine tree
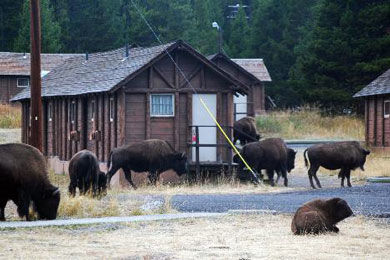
9 22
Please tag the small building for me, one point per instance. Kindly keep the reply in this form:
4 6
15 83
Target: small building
15 71
253 74
377 111
104 100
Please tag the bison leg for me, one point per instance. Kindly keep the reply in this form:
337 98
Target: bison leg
23 204
348 174
313 172
284 175
153 177
2 208
270 174
128 178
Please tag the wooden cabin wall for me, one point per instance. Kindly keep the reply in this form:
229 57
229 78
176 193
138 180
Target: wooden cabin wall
377 127
9 87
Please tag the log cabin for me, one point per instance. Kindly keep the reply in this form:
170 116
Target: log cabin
251 72
377 112
109 99
15 71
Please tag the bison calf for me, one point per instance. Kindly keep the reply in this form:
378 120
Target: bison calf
84 172
154 156
320 216
23 178
345 156
245 131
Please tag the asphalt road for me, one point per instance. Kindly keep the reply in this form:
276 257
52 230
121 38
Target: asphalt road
369 200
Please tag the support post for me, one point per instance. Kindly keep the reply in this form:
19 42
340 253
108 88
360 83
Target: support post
36 102
197 152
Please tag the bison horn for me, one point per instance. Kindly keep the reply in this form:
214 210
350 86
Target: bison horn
183 155
56 192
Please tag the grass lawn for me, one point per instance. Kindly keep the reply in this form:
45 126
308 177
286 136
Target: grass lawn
231 237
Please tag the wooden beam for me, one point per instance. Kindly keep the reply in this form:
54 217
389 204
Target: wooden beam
147 116
151 78
189 122
383 122
161 75
366 119
121 117
177 121
202 78
375 121
191 75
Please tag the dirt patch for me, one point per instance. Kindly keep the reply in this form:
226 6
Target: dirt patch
232 237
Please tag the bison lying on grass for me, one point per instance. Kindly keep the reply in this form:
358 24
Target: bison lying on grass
23 178
245 131
154 156
346 156
84 172
320 216
271 154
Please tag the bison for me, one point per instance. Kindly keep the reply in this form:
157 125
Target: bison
245 131
271 154
345 156
319 216
154 156
24 178
84 172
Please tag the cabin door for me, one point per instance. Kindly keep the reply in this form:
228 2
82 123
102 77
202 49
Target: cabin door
240 104
207 135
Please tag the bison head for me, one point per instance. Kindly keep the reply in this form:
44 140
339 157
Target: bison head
179 162
258 137
290 159
363 159
340 209
102 181
47 204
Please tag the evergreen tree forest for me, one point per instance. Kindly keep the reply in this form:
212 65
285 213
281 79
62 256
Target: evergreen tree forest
317 51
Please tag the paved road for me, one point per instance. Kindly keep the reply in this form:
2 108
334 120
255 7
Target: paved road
369 200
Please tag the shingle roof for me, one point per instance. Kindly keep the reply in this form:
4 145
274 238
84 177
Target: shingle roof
104 71
380 86
18 64
255 67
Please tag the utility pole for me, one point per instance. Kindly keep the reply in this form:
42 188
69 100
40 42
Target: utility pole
219 29
35 74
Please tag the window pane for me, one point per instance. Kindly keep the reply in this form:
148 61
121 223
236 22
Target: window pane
387 108
162 105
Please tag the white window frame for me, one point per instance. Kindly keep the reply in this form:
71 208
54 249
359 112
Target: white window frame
384 108
22 86
112 109
162 94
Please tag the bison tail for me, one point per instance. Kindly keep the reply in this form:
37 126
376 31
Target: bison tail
304 156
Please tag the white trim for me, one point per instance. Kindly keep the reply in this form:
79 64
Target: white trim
22 86
73 112
160 94
111 109
50 111
93 112
384 108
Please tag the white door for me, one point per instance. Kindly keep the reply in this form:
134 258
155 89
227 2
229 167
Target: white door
240 104
207 135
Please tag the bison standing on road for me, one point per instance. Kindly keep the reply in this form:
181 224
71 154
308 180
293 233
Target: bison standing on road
154 156
84 172
23 178
245 131
318 216
270 154
346 156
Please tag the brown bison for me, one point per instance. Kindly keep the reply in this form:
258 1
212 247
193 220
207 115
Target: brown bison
271 154
346 156
245 131
318 216
23 178
84 172
154 156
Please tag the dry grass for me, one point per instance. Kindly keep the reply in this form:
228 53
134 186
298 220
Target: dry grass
10 116
308 123
232 237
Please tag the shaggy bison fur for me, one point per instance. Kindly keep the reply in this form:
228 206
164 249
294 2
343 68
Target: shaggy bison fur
271 154
84 172
320 216
345 156
245 131
154 156
23 178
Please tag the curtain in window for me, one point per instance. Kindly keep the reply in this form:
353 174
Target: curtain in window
162 105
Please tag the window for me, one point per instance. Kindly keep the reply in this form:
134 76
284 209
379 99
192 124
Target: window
23 82
50 111
162 105
387 109
112 111
73 112
92 110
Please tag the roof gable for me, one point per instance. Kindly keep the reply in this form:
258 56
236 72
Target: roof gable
108 71
380 86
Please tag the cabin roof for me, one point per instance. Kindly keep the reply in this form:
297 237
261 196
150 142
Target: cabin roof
18 64
105 71
254 68
380 86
